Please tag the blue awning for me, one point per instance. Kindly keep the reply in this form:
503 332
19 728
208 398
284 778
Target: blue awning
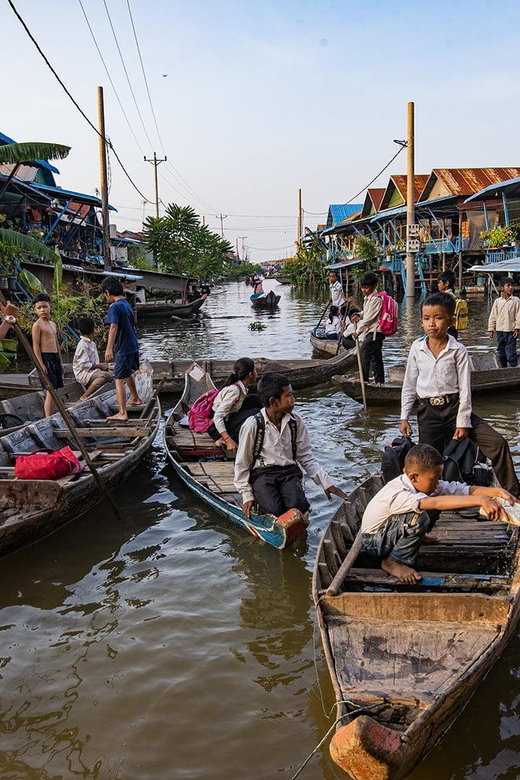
504 267
510 187
343 264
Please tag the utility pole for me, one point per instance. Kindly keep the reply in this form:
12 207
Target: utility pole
298 238
222 217
410 207
243 238
155 162
107 265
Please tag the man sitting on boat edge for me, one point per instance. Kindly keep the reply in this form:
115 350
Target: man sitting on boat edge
396 520
278 441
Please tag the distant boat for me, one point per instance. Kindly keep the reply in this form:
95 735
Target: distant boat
267 300
162 309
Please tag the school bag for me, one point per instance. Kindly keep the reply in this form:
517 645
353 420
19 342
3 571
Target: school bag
464 462
389 314
200 415
461 314
260 434
392 459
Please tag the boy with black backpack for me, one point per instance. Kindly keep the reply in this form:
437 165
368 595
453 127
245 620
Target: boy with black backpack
272 446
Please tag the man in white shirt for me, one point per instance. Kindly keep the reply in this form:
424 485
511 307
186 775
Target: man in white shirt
505 320
273 478
337 296
396 520
87 369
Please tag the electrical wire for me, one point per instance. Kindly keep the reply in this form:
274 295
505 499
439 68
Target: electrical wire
106 140
110 79
376 176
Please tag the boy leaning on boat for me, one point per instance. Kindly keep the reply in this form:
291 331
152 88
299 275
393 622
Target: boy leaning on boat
267 466
396 520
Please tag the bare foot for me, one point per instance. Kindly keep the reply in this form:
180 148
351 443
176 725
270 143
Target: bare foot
430 539
134 402
400 571
119 417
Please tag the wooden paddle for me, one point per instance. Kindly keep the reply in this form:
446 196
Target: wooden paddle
345 567
361 379
340 334
323 314
61 408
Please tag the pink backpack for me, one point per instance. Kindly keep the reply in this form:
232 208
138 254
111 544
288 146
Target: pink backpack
199 416
388 316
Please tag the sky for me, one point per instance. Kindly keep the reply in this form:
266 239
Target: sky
252 100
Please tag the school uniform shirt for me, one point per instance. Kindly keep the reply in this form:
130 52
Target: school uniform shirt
85 356
120 312
427 376
276 451
398 497
333 327
337 295
351 329
505 314
369 322
230 399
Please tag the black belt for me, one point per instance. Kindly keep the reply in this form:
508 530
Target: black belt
440 400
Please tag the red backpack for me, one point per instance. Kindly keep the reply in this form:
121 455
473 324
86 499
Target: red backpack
199 416
388 316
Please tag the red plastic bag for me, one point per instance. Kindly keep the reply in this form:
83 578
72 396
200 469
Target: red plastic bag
47 465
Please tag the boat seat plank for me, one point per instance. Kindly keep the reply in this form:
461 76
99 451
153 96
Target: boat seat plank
430 655
87 433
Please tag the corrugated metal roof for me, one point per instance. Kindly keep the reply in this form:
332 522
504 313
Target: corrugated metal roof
389 213
506 266
343 264
509 187
80 196
339 212
419 180
467 181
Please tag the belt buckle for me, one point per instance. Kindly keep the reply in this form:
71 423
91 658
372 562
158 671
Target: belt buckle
437 400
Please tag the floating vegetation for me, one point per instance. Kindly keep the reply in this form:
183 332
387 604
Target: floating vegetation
257 326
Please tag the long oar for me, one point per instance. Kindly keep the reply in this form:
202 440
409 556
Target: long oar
61 408
361 379
345 567
323 314
340 334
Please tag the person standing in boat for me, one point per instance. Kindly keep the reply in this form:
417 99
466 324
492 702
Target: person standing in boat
271 451
372 349
337 296
505 320
258 288
47 347
233 405
396 521
446 284
438 376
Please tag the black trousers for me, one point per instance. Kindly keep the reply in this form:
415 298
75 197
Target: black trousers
437 425
235 420
278 488
372 357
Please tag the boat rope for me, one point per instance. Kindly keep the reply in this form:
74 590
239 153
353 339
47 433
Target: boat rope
320 743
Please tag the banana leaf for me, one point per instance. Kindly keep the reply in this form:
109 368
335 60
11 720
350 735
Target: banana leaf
30 281
27 244
32 151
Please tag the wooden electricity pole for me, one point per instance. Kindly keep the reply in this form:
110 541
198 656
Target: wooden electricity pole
299 236
104 181
410 206
155 162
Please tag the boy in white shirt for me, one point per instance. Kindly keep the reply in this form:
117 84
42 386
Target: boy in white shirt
372 351
87 369
505 320
438 376
273 479
396 520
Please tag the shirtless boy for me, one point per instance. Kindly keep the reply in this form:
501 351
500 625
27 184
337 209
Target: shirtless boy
46 347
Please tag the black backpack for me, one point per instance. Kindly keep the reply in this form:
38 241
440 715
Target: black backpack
260 433
392 459
464 462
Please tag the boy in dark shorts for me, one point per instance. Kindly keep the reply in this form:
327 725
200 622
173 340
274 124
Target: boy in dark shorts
122 343
46 347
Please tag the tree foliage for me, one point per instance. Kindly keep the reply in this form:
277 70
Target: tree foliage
306 270
16 154
182 244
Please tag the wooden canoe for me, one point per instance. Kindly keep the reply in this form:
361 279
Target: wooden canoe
268 300
208 471
162 309
32 509
486 377
301 373
327 346
403 660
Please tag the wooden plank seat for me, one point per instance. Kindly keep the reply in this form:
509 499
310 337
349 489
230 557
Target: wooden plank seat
87 433
458 581
216 475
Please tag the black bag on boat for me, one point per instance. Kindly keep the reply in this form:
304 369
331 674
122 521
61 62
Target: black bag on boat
392 459
464 462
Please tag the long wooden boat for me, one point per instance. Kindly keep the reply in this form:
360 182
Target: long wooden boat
162 309
327 346
486 377
268 300
301 373
404 660
32 509
208 472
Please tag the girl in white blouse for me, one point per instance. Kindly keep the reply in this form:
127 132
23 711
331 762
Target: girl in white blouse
233 404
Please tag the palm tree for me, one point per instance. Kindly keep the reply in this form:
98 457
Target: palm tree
28 154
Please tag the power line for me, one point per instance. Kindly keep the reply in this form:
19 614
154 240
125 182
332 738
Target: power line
69 95
376 176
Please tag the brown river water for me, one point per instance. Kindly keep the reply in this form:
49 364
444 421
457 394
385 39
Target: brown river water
171 645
